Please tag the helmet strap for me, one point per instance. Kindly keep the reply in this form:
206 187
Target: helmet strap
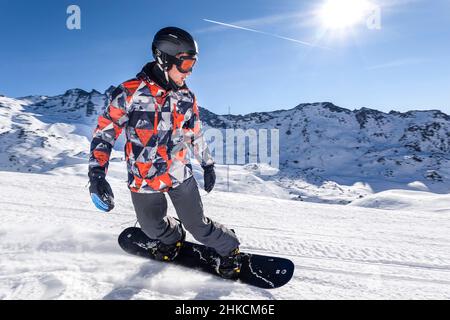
160 63
163 69
164 66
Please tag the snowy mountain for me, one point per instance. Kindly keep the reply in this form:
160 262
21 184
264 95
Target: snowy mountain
325 145
327 153
40 133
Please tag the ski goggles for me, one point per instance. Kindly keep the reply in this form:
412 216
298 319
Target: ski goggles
185 64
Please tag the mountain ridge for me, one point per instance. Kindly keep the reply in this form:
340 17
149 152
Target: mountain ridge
321 144
299 106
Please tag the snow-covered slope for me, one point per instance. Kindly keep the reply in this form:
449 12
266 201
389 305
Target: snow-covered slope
54 244
406 200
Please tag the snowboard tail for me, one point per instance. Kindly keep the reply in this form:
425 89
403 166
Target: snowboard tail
258 270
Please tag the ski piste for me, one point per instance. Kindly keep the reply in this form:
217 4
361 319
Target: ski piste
257 270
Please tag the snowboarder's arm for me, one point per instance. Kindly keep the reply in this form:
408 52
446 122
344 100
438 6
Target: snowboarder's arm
201 150
110 125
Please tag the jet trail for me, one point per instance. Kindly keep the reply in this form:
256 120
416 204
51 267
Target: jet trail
265 33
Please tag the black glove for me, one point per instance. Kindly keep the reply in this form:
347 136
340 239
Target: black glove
209 177
101 192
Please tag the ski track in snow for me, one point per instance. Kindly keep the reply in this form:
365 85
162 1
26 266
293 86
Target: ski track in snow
54 244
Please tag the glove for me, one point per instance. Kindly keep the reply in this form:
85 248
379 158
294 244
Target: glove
209 177
101 192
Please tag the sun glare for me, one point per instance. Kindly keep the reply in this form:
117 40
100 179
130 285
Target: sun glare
343 14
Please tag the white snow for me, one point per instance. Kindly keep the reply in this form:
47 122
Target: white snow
406 200
54 244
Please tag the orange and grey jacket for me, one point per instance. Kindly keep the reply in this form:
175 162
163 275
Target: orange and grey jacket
161 123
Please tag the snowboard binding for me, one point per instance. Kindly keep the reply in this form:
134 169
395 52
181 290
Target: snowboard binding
229 266
168 252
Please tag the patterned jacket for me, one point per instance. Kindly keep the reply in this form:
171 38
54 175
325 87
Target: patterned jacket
161 124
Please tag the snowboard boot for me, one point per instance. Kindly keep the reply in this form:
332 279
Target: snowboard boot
168 252
230 265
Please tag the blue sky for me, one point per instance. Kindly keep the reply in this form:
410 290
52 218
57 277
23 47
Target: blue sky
402 66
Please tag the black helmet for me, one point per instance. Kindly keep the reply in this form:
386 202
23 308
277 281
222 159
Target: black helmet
170 41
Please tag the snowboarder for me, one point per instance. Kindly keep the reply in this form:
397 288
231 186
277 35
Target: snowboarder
161 120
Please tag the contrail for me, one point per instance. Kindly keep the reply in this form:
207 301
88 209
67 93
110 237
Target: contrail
265 33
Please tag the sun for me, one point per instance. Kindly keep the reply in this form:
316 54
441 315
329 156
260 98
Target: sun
343 14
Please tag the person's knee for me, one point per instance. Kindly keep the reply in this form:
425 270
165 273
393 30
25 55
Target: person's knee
187 189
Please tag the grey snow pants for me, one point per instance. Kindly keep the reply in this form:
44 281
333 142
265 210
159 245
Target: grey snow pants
151 212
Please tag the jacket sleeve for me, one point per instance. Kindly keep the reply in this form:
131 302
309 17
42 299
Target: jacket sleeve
109 127
201 150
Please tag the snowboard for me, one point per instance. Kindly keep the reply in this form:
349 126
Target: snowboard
257 270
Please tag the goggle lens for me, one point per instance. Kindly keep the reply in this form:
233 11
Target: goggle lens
186 64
